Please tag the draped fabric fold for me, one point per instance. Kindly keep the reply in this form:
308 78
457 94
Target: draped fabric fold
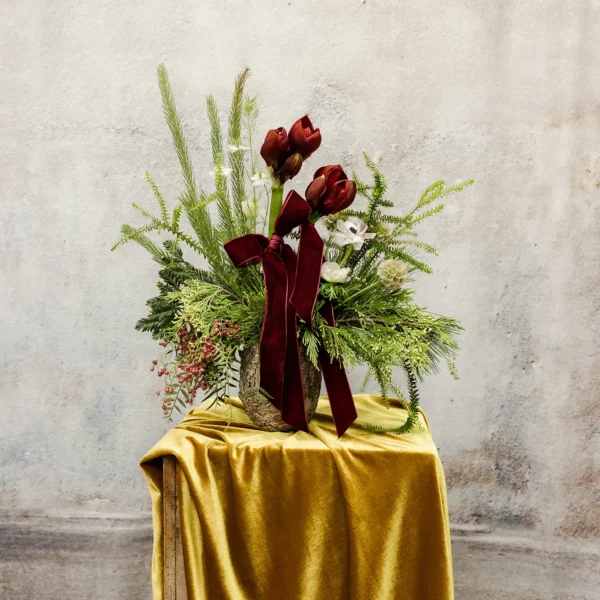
269 516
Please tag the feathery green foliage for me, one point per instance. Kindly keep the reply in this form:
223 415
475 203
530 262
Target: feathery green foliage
377 327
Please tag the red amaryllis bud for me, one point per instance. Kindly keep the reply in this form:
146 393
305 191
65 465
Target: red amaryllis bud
331 190
275 148
290 168
315 189
304 138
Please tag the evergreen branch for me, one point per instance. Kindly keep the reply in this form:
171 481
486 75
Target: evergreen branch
426 215
174 123
412 407
400 254
237 105
418 244
139 235
176 217
215 130
184 237
236 159
161 201
145 213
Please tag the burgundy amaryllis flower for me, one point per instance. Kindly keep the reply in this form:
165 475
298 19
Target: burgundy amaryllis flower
304 138
285 154
330 191
275 148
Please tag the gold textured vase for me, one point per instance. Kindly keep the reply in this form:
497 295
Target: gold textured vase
258 408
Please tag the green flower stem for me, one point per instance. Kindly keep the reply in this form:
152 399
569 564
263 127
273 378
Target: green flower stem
369 287
275 208
347 255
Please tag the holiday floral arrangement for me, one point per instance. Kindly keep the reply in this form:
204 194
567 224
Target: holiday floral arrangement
287 290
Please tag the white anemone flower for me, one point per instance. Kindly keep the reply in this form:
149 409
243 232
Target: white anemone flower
233 148
353 231
259 179
223 171
332 272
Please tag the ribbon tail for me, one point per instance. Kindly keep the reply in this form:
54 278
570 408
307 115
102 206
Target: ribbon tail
293 409
273 339
341 400
308 272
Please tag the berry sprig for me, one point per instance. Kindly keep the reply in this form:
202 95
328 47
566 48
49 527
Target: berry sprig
195 365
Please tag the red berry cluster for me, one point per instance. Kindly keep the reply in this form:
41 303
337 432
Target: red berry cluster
225 329
193 368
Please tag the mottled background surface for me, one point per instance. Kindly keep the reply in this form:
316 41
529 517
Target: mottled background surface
504 91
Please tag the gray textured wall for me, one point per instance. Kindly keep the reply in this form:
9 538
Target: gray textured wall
506 92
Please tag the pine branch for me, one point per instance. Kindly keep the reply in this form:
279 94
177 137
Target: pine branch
236 159
215 130
418 244
179 141
139 235
412 407
400 254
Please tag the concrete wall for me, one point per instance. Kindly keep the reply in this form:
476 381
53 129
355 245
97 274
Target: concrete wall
506 92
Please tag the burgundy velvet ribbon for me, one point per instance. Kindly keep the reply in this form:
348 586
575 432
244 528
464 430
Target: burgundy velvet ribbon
292 285
341 401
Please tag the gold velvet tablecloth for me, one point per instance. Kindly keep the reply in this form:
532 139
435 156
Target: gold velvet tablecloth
295 516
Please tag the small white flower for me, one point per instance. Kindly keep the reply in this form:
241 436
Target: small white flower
259 179
353 231
233 148
223 171
249 208
332 272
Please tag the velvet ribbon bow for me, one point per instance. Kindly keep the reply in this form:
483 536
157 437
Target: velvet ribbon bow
292 286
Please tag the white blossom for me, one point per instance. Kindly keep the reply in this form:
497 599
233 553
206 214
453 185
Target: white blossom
353 231
259 178
223 171
233 148
332 272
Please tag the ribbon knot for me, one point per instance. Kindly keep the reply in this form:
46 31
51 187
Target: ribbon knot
292 285
275 242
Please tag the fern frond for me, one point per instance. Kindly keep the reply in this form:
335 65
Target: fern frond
400 254
161 201
138 235
418 244
176 217
145 213
427 214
